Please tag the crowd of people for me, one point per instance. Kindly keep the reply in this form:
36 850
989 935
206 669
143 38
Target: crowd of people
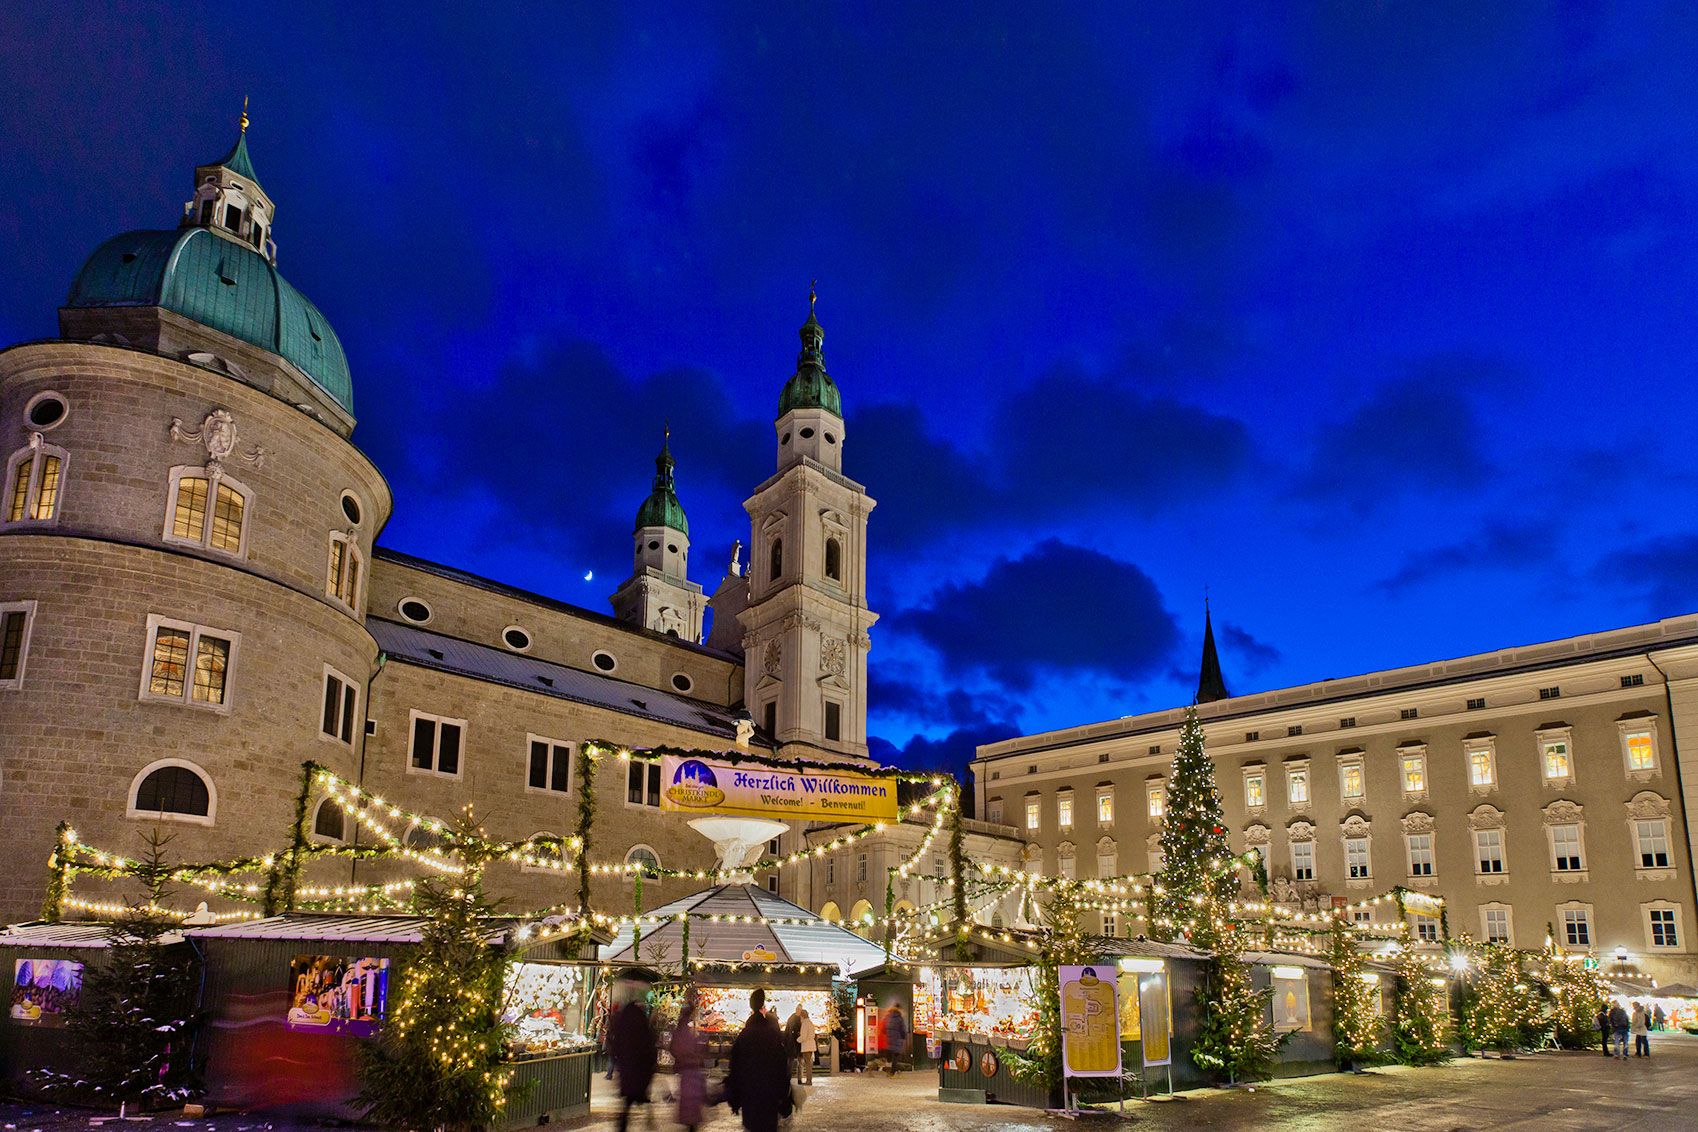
768 1073
1615 1024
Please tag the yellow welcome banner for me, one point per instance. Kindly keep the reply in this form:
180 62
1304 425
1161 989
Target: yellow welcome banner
691 785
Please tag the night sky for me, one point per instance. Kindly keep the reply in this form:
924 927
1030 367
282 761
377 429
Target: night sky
1374 321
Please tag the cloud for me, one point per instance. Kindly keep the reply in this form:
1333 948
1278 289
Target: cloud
1057 609
949 754
1244 652
1660 571
1496 546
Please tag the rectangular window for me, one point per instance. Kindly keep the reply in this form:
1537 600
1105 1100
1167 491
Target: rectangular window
861 869
1476 703
1558 768
1255 790
233 217
196 496
1156 860
1551 693
1064 810
1420 854
1653 838
343 581
769 719
1662 928
1415 775
1362 916
1294 730
1495 921
1252 736
1577 927
1111 925
1488 851
833 721
1033 818
1426 928
1409 713
1065 866
1482 771
549 765
436 745
1356 860
993 812
1302 860
1633 681
1347 721
1105 805
14 642
1350 782
830 871
1297 785
189 663
1565 849
1157 796
642 783
1641 751
339 698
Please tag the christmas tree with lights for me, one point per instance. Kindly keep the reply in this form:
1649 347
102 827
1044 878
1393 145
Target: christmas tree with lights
1355 1002
1577 994
1421 1009
1236 1040
1500 1009
1197 866
1063 943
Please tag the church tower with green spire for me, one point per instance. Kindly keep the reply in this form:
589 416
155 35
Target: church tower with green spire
659 594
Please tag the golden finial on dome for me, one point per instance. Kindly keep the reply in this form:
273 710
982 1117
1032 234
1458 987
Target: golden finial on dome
813 294
244 113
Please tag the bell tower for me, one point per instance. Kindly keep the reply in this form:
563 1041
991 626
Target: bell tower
659 594
805 627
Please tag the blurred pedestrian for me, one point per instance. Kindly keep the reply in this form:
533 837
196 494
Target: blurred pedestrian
1659 1020
807 1041
757 1084
1604 1027
631 1044
687 1059
895 1038
1641 1026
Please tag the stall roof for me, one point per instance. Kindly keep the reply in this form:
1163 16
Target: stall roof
75 933
1284 959
332 928
812 941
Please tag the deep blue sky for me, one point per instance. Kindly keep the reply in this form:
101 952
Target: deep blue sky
1375 319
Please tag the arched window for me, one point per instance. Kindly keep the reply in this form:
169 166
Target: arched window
330 822
173 790
343 580
207 509
860 915
35 478
834 560
775 560
643 856
831 913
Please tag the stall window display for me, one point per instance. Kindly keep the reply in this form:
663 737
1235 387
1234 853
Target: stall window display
336 994
993 1002
545 1009
724 1009
1290 1003
44 989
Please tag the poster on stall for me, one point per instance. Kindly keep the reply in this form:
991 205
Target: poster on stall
1153 1006
1090 1029
333 994
713 786
43 989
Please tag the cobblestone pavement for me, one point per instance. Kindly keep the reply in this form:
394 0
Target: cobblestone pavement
1551 1092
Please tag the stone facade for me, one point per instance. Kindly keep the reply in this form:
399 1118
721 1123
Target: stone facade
1526 742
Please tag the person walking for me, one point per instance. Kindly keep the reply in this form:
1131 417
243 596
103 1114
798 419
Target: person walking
1659 1020
1604 1027
631 1045
806 1042
757 1083
1641 1026
793 1038
687 1051
895 1038
1619 1024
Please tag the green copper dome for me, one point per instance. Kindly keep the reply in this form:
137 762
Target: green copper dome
661 508
810 387
220 283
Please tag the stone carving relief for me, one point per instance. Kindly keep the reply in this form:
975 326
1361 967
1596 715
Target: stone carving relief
1418 822
833 656
217 433
1356 826
794 621
773 659
1486 817
1647 806
1282 891
1256 835
1562 812
1300 831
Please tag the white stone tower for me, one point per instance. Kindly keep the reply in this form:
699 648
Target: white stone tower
659 594
805 627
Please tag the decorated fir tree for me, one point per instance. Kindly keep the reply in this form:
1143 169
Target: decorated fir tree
1500 1009
131 1031
1236 1040
437 1060
1355 1002
1576 995
1064 943
1197 866
1421 1010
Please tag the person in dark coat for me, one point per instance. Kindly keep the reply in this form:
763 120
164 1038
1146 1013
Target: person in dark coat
1604 1026
895 1038
631 1045
757 1084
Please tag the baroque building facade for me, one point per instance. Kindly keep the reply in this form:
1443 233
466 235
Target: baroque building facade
1538 788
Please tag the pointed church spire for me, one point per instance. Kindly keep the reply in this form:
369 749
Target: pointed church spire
661 508
811 387
1211 685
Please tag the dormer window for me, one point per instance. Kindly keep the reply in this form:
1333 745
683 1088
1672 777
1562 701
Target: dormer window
233 217
259 238
206 213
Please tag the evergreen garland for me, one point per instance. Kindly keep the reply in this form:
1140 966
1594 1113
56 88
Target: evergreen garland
1236 1040
957 880
58 875
1063 943
587 766
1355 1002
284 875
1196 863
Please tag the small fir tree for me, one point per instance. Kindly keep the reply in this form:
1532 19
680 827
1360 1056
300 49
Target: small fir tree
1196 863
437 1060
1236 1040
1577 995
1356 1002
1421 1010
1063 944
132 1029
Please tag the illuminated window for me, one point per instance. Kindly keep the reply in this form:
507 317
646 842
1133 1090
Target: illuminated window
1034 819
1302 860
1639 747
207 510
1105 805
1415 776
1156 794
188 663
1064 810
1559 767
1350 779
16 618
1482 766
1297 785
34 482
1420 854
1488 851
342 580
1255 790
1356 861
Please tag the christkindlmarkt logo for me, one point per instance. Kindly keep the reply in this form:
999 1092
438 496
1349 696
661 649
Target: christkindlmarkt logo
694 785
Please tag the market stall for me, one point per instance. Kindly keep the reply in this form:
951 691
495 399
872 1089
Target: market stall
1677 1001
287 999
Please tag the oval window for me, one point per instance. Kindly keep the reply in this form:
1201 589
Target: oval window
682 682
516 638
807 433
414 610
604 661
671 548
654 544
830 439
46 411
351 507
785 439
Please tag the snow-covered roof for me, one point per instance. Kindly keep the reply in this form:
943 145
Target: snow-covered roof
73 933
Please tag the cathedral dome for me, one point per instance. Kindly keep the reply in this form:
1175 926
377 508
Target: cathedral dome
221 283
661 508
810 387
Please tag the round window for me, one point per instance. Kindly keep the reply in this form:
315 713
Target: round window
807 433
46 411
682 682
671 548
414 610
654 544
351 507
604 661
516 638
830 439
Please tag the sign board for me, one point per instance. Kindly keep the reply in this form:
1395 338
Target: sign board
1090 1027
1157 1027
711 786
